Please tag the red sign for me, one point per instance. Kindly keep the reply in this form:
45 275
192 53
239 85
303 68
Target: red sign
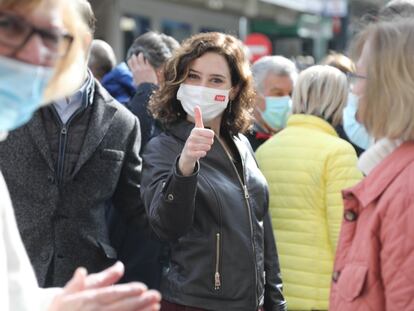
259 45
220 98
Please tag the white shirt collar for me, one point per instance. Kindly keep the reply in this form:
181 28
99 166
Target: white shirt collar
376 153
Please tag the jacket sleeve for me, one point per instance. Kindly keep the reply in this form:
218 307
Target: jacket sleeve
274 300
168 196
397 250
341 173
139 107
127 193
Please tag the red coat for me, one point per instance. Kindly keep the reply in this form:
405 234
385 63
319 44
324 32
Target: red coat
374 266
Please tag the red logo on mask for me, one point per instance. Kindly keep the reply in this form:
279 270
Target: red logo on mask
220 98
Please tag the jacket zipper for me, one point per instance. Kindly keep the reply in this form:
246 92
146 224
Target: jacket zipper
246 198
61 155
217 281
62 142
217 275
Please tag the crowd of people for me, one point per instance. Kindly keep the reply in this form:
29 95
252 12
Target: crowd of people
186 178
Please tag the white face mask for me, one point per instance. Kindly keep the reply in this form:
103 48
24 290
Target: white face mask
212 102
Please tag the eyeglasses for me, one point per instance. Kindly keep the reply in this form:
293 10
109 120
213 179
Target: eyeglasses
15 32
353 77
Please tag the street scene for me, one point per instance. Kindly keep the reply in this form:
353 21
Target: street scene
206 155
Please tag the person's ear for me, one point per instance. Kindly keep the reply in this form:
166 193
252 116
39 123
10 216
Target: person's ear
160 74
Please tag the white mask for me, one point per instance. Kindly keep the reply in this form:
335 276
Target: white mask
212 102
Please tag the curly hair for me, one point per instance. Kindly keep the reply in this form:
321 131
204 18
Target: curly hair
237 117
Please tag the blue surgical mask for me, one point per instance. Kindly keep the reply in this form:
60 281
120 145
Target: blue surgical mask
355 131
21 90
277 111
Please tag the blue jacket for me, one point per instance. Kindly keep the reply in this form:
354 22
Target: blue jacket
119 83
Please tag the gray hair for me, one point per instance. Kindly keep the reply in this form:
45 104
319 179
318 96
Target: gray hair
278 65
397 9
157 48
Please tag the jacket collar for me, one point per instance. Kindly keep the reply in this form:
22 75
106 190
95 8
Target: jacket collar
99 123
87 91
383 174
181 129
312 122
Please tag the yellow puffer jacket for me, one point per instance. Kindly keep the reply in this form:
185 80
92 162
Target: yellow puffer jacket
307 165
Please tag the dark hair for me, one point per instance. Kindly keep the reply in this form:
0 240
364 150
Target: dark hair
101 58
157 48
237 116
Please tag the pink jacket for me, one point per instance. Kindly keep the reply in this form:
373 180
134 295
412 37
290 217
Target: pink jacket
374 266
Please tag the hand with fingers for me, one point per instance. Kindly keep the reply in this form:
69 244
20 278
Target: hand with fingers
141 69
197 145
93 292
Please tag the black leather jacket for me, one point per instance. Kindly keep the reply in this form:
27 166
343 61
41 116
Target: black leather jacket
223 253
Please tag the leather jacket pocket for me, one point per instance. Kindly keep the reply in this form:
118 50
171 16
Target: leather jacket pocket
351 281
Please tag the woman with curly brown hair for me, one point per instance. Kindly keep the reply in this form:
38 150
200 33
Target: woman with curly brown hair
202 188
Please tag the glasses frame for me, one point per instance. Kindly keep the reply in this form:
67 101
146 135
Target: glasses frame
352 77
36 30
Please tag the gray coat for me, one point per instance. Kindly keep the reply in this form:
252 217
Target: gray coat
64 226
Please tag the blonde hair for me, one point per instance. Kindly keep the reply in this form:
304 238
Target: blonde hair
321 91
340 61
387 107
70 70
12 4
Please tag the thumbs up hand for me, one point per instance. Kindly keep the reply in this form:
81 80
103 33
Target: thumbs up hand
197 145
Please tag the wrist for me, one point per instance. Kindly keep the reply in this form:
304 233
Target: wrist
185 167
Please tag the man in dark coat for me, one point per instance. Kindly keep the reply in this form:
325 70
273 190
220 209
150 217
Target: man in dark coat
142 254
63 168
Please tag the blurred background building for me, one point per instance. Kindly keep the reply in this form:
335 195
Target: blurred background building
286 27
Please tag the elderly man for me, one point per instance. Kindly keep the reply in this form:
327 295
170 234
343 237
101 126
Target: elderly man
274 78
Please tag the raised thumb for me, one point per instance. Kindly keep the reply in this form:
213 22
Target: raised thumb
198 117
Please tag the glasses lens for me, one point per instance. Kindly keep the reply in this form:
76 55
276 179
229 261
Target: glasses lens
353 78
57 43
13 31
